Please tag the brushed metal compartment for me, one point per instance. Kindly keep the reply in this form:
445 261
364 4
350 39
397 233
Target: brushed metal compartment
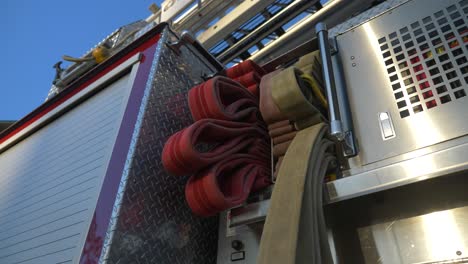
425 222
425 98
433 237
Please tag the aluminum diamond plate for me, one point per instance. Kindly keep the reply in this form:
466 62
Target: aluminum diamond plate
151 221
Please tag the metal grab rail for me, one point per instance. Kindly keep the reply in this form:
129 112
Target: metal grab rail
336 128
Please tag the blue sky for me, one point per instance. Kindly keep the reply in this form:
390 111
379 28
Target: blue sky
35 34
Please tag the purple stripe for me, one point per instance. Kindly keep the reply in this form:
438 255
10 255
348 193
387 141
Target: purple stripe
99 225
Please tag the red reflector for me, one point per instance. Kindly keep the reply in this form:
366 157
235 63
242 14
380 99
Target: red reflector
421 76
414 60
418 68
424 85
431 104
427 94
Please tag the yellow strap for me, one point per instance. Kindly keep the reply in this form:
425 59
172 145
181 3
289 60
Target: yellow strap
310 63
315 88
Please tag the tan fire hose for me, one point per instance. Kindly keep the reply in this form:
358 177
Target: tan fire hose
294 230
293 99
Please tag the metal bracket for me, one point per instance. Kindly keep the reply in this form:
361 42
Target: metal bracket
187 39
349 144
250 213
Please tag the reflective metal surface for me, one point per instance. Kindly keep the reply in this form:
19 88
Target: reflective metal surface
424 132
187 39
416 223
50 180
238 244
349 144
116 41
438 236
264 30
332 13
250 213
418 121
336 129
151 221
365 16
198 18
230 22
418 165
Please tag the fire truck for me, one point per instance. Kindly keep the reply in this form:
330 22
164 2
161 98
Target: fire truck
249 131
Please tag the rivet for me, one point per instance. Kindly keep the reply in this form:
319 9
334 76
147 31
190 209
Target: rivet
354 64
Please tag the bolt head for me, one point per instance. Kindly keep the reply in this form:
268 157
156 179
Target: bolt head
237 245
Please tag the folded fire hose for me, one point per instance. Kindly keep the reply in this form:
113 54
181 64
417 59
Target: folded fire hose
186 152
227 183
224 99
284 138
280 128
244 68
227 149
247 73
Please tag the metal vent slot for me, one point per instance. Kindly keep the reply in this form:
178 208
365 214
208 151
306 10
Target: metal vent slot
426 61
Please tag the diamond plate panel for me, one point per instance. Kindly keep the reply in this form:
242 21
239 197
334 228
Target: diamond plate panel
151 221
